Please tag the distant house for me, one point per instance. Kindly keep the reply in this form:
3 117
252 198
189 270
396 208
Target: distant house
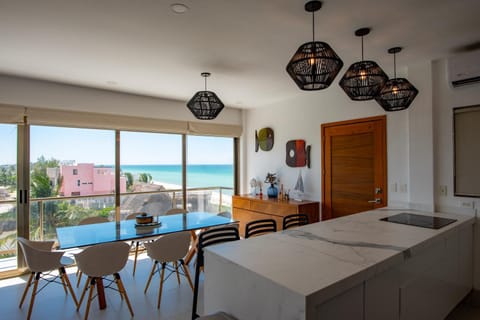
86 179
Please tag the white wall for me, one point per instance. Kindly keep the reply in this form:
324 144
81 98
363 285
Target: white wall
36 93
444 100
301 118
420 133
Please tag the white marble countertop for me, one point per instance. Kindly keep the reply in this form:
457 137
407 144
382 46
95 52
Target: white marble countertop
327 258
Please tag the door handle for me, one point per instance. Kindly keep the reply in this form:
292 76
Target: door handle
377 201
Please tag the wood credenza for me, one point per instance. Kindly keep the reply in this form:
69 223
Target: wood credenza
248 208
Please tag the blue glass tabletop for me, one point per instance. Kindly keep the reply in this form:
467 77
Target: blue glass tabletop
90 234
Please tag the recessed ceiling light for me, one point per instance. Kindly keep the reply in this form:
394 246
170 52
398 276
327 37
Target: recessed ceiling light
179 8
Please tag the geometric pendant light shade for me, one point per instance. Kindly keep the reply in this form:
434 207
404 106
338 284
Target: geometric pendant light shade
205 105
397 93
364 79
314 65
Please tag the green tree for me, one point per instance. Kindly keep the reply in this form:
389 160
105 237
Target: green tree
145 177
39 180
129 178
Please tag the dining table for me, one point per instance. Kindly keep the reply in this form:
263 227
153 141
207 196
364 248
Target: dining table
127 230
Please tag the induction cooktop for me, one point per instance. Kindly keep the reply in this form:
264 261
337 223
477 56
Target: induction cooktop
419 220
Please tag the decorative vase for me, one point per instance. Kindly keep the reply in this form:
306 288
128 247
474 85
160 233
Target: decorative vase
272 191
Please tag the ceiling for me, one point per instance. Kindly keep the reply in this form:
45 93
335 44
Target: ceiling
143 47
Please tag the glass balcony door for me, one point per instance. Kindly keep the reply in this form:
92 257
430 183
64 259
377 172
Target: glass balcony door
72 177
8 197
151 163
210 173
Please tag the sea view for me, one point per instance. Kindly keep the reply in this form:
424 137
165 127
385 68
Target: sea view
198 175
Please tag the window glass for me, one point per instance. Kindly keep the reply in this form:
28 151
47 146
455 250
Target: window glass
151 164
8 195
67 163
210 176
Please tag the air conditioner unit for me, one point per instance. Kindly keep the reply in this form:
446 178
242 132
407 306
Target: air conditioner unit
464 69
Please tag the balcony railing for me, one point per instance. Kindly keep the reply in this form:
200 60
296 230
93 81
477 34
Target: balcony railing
46 214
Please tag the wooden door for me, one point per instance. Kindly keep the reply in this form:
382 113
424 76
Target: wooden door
354 166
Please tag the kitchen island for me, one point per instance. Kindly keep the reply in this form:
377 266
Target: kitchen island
354 267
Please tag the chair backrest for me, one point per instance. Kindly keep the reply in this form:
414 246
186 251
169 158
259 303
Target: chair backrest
175 211
214 236
294 220
259 227
92 220
170 247
205 239
38 255
103 259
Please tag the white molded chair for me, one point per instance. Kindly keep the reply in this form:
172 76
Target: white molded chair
169 248
137 245
42 260
89 220
92 220
99 261
217 316
175 211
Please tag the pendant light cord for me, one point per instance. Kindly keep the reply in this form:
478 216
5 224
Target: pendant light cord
313 26
205 83
362 48
394 66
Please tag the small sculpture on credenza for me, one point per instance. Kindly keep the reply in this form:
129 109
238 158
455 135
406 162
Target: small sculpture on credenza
298 192
253 187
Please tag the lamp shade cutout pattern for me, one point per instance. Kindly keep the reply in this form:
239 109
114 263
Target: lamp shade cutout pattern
297 155
315 64
205 105
364 79
264 139
397 93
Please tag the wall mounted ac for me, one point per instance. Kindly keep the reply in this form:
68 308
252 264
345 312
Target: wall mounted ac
464 69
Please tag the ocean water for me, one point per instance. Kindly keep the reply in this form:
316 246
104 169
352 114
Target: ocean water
198 176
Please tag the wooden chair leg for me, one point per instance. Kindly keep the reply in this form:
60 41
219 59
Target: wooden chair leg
90 294
34 292
79 277
64 285
83 292
135 257
123 292
161 285
64 275
150 277
187 273
176 271
27 286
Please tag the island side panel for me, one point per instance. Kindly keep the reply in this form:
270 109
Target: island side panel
255 298
428 285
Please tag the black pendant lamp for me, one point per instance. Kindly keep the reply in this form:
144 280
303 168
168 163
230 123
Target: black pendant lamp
397 93
364 79
205 105
315 65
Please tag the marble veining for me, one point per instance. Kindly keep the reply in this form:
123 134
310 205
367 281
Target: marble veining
311 236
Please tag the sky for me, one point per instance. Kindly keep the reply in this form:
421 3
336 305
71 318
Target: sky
98 146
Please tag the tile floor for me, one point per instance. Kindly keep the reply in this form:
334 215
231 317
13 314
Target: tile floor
52 303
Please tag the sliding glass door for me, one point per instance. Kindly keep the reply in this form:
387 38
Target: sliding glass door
210 173
72 176
152 166
8 197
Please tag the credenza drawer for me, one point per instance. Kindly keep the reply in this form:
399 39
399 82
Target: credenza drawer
273 208
241 203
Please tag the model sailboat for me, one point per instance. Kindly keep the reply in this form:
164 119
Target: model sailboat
298 191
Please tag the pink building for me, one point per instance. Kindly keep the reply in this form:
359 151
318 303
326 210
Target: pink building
86 179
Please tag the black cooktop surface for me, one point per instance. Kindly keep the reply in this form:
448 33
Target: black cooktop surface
419 220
